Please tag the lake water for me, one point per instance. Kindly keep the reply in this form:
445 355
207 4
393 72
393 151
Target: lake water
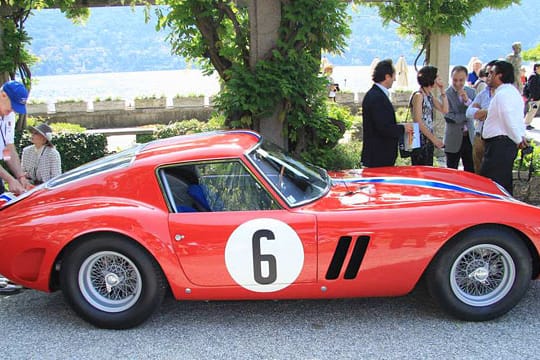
128 85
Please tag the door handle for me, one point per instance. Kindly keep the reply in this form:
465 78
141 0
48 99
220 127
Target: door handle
178 237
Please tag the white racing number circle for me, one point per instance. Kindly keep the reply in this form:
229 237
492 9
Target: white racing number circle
264 255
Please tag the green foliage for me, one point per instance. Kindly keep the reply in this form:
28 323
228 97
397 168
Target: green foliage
217 121
66 128
421 19
407 161
144 138
340 112
403 114
14 51
190 95
152 96
532 54
180 128
326 152
58 127
69 101
36 101
108 98
526 162
79 148
216 35
343 156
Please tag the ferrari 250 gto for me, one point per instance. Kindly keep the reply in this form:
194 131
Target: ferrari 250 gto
226 215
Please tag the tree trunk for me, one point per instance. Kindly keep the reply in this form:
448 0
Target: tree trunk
265 18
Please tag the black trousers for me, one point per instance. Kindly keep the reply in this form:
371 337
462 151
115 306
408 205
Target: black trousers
464 153
498 161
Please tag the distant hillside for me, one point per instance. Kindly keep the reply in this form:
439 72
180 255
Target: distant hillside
490 36
116 39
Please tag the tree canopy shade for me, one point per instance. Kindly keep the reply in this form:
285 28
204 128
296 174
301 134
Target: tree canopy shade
216 34
423 18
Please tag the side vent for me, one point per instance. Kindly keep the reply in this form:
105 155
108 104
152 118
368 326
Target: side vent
340 254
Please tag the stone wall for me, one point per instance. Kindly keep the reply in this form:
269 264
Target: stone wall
527 191
118 115
128 118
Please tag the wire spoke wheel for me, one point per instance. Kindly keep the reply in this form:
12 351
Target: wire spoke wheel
482 275
109 281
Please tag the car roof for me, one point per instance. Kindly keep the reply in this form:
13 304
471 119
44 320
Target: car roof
215 144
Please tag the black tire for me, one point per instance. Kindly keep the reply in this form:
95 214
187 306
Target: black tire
112 282
481 275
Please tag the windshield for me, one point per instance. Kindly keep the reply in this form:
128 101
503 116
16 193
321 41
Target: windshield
115 161
297 182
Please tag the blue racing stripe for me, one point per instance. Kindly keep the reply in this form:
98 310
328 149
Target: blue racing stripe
431 184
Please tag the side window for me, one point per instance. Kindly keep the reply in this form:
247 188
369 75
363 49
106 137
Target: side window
215 186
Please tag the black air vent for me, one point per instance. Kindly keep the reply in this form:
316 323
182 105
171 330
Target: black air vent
340 255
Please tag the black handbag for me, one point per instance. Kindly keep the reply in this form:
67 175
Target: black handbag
401 146
401 142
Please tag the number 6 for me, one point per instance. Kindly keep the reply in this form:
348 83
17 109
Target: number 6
259 258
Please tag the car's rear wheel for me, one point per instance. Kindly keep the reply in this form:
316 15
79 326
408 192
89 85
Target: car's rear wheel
112 282
481 275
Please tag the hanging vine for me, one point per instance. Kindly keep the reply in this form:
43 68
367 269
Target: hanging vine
215 34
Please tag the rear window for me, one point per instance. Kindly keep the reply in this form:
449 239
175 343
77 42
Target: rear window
107 163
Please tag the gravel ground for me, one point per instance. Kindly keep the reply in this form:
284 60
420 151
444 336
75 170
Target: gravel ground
35 325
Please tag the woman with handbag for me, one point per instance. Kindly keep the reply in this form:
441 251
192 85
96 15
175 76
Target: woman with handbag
41 161
422 105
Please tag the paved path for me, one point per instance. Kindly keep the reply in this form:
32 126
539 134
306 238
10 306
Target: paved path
36 325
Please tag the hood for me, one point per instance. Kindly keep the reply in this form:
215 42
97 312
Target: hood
412 184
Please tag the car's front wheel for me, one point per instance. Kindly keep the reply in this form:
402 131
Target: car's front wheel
112 282
481 275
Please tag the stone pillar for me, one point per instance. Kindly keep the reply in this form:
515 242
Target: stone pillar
440 57
265 17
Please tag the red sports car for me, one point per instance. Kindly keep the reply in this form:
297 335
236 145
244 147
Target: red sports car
226 215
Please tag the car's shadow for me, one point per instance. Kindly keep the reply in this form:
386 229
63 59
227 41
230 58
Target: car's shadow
311 314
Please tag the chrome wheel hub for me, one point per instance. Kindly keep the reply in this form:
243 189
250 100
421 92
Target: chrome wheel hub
482 275
110 281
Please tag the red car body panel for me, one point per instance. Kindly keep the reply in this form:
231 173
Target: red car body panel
373 233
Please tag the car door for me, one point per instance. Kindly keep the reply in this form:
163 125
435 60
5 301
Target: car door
246 238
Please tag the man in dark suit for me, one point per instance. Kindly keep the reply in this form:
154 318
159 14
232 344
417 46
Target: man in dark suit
381 132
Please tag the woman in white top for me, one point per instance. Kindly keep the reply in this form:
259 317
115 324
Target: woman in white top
41 161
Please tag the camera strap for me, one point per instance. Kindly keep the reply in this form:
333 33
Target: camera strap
531 166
